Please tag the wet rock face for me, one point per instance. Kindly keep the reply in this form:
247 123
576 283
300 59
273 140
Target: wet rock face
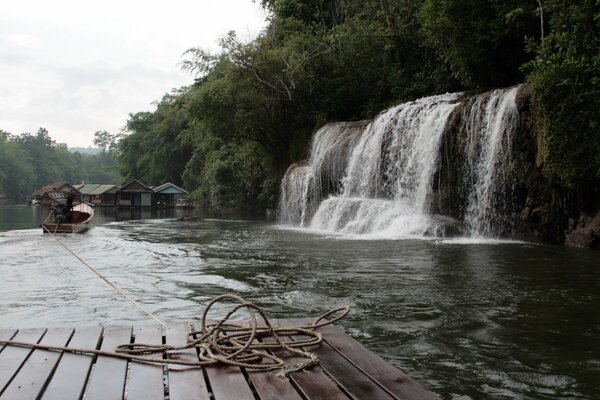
584 232
535 208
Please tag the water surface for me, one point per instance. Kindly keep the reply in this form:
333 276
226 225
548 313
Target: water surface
467 319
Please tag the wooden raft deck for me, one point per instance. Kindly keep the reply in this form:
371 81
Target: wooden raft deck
347 370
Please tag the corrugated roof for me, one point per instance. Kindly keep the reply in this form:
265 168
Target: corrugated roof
131 187
88 188
101 189
164 186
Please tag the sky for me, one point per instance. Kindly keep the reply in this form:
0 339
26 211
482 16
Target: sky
76 67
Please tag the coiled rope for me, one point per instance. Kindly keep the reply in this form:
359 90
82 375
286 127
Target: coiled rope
229 343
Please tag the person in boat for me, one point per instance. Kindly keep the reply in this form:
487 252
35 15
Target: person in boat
67 209
62 212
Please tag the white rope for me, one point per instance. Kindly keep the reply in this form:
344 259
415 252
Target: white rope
105 279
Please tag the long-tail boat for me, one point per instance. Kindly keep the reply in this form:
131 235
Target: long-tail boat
68 214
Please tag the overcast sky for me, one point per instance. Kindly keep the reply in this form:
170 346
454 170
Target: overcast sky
76 67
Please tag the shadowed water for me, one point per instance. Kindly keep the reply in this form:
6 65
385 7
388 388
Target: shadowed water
468 319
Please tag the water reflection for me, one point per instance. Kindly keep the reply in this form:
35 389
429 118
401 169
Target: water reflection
467 320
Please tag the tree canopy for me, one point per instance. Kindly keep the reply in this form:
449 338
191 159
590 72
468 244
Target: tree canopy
29 161
253 106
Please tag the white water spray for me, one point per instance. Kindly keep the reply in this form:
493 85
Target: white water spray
376 179
490 124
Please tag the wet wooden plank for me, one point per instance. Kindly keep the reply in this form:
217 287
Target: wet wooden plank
146 380
228 382
389 377
185 383
69 379
271 387
107 381
12 357
353 381
31 379
314 383
6 334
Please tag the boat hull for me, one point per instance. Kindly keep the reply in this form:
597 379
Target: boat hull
51 227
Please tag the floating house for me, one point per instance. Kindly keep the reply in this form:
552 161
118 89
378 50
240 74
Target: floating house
134 194
86 191
104 195
97 194
168 194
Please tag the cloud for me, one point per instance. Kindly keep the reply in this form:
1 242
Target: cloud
77 67
22 40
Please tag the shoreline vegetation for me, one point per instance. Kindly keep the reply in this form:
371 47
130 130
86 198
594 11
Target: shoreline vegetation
230 136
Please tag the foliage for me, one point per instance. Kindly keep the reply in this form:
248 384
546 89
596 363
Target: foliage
30 161
232 175
566 80
152 151
230 136
105 141
16 169
482 42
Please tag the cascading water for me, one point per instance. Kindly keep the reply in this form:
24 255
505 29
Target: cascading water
490 122
305 184
376 178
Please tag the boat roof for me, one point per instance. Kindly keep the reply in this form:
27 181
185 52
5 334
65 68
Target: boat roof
60 197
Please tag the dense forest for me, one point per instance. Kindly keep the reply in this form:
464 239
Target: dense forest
250 113
229 137
29 161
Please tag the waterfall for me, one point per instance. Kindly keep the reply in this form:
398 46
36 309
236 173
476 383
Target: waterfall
376 177
305 184
490 121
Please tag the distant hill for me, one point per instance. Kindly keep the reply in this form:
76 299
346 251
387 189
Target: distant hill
84 150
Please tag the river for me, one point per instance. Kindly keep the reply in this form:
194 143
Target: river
469 319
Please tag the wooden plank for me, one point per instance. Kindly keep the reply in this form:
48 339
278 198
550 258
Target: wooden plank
351 379
31 379
228 382
388 376
12 357
185 383
107 381
271 387
145 380
6 334
315 383
71 375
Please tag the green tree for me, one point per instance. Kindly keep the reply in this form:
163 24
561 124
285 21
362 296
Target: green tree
152 151
482 42
16 172
565 77
105 141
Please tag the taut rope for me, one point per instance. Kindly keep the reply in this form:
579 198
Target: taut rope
228 343
105 279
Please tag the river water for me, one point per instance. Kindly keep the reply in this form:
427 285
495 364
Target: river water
467 319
